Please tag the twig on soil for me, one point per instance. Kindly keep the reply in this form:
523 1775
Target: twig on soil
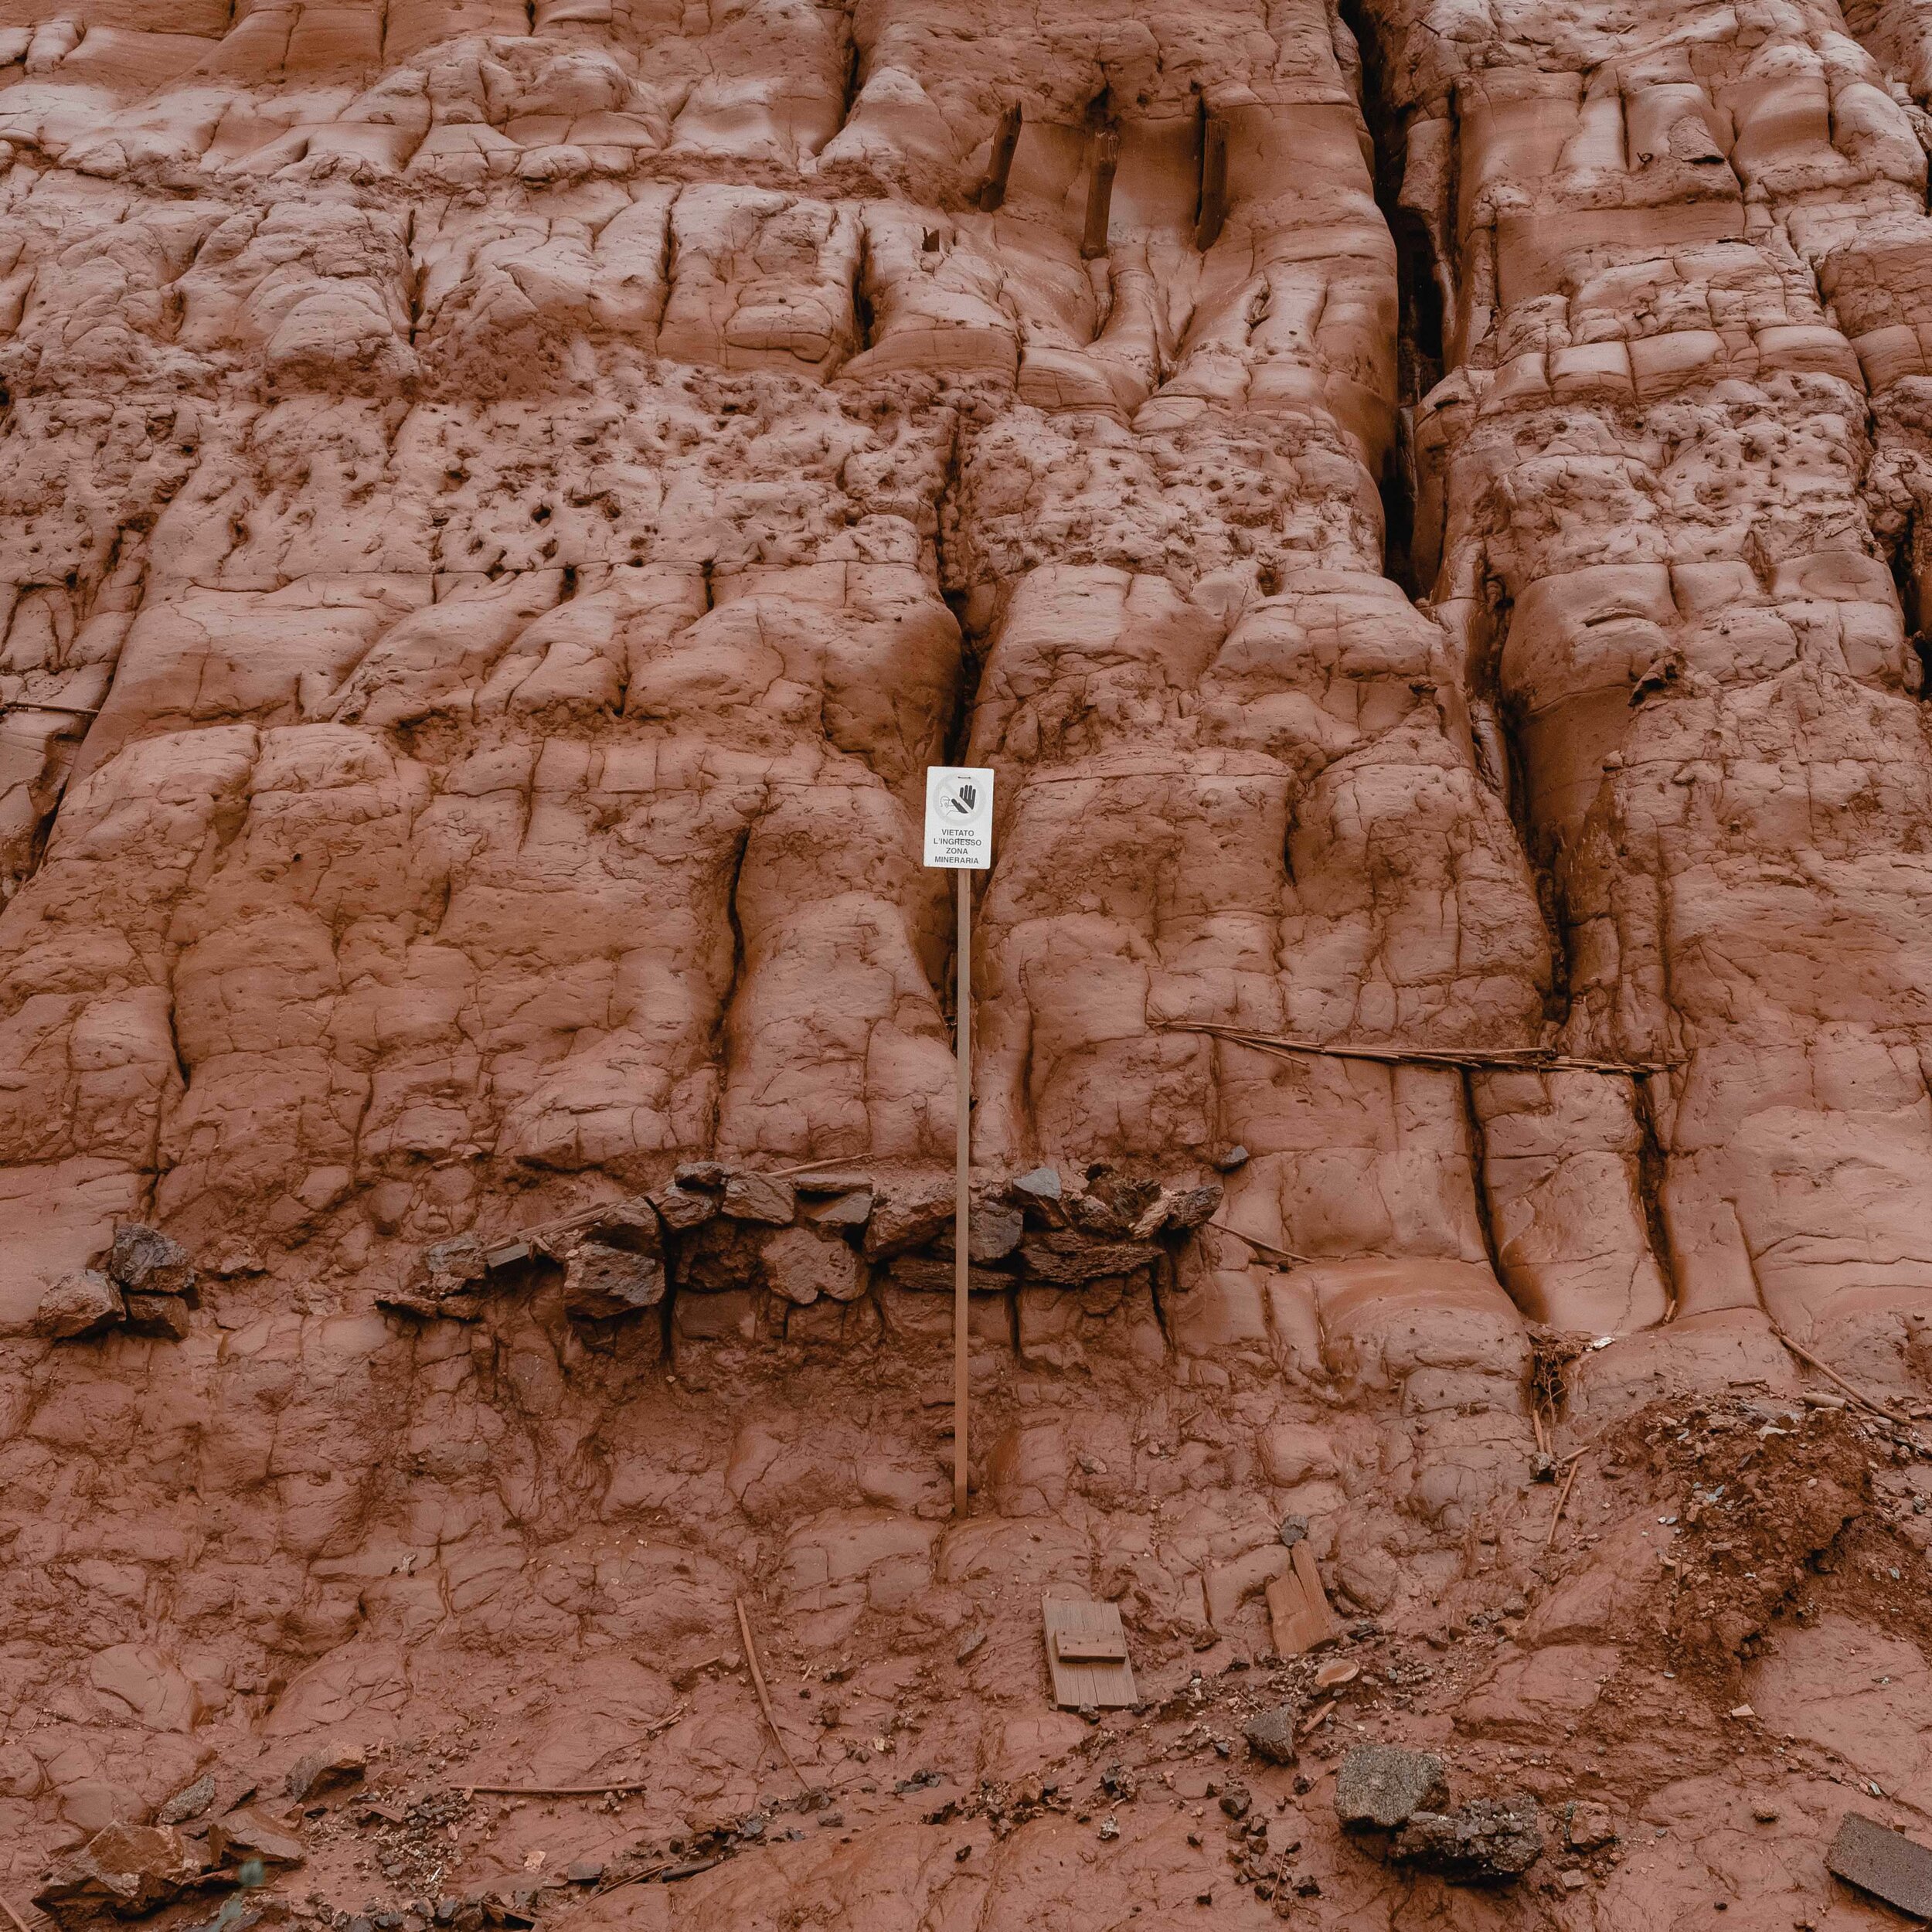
812 1167
1562 1501
20 1924
555 1790
764 1696
1527 1060
634 1878
1260 1247
1831 1374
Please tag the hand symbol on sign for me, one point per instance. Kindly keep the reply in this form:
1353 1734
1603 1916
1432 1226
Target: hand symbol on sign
964 799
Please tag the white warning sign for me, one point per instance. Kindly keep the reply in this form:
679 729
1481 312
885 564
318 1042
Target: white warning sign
959 816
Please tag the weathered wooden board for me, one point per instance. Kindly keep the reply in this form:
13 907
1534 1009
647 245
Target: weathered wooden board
1298 1610
1086 1652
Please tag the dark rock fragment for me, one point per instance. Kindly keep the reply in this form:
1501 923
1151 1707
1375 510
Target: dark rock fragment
601 1282
1270 1733
679 1207
189 1802
1068 1259
1485 1841
144 1260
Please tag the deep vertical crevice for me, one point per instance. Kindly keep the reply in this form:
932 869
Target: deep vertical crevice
1419 340
1653 1165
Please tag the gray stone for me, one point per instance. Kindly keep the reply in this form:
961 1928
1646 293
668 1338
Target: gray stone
851 1210
1236 1156
993 1231
709 1175
1381 1786
761 1197
78 1305
908 1215
145 1260
454 1262
1883 1861
601 1282
189 1802
1270 1733
801 1266
1043 1184
1484 1841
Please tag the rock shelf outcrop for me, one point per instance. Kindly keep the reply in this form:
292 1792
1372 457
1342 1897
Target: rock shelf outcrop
1424 506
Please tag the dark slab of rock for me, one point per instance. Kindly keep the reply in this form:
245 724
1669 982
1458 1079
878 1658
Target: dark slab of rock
144 1260
1883 1862
851 1210
452 1263
126 1869
679 1207
1487 1841
720 1255
1380 1786
1068 1259
930 1275
1188 1208
189 1802
601 1283
992 1234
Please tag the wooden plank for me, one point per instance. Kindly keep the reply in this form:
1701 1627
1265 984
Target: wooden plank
1298 1612
1090 1650
1087 1654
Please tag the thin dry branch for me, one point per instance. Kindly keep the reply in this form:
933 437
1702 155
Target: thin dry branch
764 1696
1525 1059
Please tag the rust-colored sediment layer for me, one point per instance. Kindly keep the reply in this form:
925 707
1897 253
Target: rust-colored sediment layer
1420 506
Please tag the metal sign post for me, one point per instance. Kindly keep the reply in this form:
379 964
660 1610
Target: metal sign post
959 837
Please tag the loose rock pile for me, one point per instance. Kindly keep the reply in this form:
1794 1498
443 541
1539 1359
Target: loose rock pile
746 1246
1396 1803
145 1283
